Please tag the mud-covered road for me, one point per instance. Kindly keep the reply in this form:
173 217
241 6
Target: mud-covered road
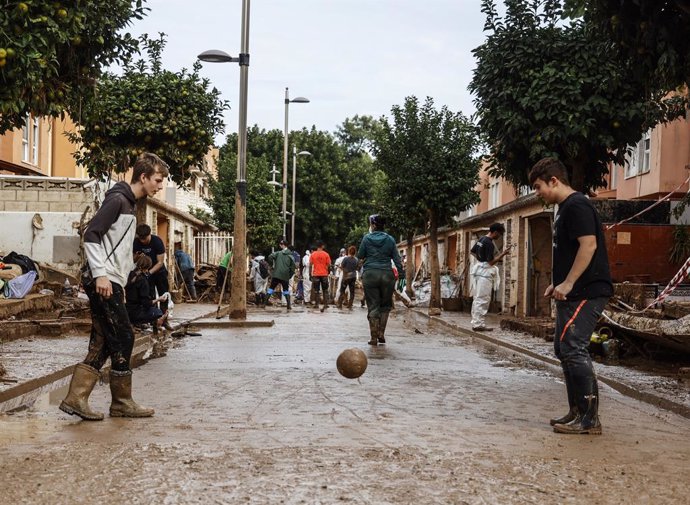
262 416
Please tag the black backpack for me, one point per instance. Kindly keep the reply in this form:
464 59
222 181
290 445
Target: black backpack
264 269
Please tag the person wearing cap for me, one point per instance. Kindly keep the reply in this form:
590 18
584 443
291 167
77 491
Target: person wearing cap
484 275
283 264
377 249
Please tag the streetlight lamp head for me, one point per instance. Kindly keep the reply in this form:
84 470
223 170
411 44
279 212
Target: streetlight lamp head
216 56
300 99
304 153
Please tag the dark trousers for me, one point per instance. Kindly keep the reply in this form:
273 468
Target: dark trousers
319 283
111 331
159 281
378 291
575 322
348 283
188 278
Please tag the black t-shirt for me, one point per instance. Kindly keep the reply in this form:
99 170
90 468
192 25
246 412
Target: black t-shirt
577 217
152 250
349 266
484 249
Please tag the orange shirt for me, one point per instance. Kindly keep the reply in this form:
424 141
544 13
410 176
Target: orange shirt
321 261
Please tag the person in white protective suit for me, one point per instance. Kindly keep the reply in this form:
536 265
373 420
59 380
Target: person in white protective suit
484 275
306 277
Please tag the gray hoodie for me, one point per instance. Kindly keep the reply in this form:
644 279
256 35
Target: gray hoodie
108 238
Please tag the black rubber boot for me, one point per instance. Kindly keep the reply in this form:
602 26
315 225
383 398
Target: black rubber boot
76 402
325 302
383 321
340 300
374 329
572 413
586 391
287 299
121 390
316 300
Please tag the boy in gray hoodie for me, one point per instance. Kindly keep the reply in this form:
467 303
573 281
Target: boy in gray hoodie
108 246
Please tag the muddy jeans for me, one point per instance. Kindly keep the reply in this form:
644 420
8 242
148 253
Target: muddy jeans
378 291
575 322
111 331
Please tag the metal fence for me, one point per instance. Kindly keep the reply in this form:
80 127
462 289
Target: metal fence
211 247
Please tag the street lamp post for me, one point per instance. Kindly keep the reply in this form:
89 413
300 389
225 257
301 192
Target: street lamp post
299 99
294 185
238 296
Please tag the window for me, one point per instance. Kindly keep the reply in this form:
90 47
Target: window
494 196
25 140
34 146
613 179
638 159
472 211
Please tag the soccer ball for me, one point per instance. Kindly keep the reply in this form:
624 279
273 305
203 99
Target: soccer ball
351 363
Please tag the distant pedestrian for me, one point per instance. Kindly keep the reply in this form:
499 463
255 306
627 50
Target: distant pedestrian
154 248
283 265
321 265
186 266
377 249
348 268
338 272
581 285
107 244
259 275
223 275
484 275
306 277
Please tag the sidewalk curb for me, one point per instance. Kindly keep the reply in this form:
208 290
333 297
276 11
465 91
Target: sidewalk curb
27 392
621 387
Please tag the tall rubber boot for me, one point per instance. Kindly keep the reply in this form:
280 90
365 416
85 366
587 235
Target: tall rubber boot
316 300
121 390
287 299
572 413
374 329
350 301
383 321
340 300
76 402
586 392
325 302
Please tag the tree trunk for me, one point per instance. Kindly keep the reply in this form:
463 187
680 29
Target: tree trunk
577 179
410 269
435 301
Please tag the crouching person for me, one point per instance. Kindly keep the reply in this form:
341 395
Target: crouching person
108 246
140 307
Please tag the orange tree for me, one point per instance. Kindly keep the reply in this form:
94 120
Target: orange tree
148 109
51 52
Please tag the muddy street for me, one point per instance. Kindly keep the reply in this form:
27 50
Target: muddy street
261 415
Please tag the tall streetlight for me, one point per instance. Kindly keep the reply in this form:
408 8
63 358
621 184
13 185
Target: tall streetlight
299 99
294 185
238 296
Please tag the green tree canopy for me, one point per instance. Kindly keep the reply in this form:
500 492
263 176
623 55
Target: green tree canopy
148 109
429 156
263 202
548 88
52 52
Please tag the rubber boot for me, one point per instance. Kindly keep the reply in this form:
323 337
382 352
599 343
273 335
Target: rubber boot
340 300
383 321
121 390
572 413
586 392
374 329
316 300
76 402
325 302
287 299
350 301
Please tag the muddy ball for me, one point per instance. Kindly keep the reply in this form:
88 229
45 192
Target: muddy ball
351 363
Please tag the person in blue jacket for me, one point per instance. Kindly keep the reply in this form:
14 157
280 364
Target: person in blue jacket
377 249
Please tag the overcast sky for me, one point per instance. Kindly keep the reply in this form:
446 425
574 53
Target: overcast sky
347 56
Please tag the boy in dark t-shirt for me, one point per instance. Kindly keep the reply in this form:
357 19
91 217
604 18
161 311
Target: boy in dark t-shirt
153 247
581 286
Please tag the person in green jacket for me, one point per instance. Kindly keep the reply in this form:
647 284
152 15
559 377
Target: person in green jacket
377 249
283 264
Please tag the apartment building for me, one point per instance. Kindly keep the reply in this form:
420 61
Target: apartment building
658 167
